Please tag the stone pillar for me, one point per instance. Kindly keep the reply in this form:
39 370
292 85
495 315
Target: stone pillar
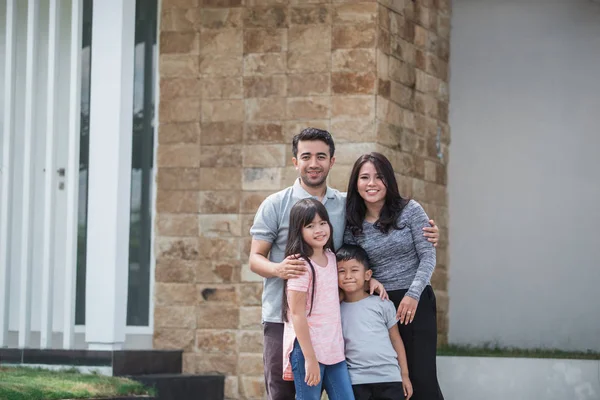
238 80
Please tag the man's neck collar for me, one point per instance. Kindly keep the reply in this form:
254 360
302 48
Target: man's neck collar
316 192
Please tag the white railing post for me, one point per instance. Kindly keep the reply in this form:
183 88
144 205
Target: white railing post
49 182
5 168
72 173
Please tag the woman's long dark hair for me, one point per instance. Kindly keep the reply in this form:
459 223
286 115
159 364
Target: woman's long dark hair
355 205
301 215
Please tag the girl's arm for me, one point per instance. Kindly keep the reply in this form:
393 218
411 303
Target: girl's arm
297 304
401 354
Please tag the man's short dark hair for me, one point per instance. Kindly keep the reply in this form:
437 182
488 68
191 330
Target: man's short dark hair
352 252
313 134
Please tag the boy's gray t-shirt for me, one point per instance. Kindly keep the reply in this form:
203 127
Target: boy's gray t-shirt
370 354
271 224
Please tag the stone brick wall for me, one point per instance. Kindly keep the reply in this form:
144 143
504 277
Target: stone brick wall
237 80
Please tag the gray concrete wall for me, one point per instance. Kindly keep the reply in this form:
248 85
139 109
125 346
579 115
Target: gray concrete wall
524 173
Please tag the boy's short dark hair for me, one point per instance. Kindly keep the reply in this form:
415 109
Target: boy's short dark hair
352 252
313 134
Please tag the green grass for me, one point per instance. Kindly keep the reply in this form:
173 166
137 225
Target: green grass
39 384
497 351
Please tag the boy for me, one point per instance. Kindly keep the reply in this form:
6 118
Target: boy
374 349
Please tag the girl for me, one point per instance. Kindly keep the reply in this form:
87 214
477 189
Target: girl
389 228
313 346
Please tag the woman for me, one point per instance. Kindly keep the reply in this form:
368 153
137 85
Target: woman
389 228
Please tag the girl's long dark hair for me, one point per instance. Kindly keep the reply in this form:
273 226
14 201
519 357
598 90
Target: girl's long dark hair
355 205
302 214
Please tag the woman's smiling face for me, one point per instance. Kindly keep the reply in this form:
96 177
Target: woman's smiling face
370 185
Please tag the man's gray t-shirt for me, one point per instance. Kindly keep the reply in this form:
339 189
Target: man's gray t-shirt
271 224
370 354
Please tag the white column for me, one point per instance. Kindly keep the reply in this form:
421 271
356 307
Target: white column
72 173
5 170
29 119
49 182
111 122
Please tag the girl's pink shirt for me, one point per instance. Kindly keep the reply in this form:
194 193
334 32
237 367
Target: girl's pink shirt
324 323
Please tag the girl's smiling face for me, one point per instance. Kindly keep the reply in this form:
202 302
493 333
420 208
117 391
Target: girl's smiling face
316 233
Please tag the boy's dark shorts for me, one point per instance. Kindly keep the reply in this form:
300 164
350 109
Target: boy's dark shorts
379 391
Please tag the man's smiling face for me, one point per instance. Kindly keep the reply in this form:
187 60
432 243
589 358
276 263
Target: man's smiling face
313 162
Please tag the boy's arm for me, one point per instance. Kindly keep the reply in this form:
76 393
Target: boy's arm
400 351
297 304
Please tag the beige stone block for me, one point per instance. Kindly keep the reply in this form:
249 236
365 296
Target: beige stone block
394 5
220 3
301 62
222 110
221 41
213 248
178 178
218 294
353 83
355 13
221 64
421 36
166 4
220 225
382 65
248 276
226 132
308 85
353 106
231 387
424 16
219 178
265 86
216 341
443 26
219 271
222 88
173 339
179 43
354 36
403 50
251 201
188 363
179 155
401 72
359 60
348 153
253 387
180 110
173 88
300 2
250 364
255 133
176 248
353 130
265 40
299 108
384 40
288 176
185 132
266 17
310 15
174 270
250 341
383 88
292 128
219 202
177 20
174 317
403 95
426 83
218 18
250 294
261 179
389 135
250 318
264 155
176 224
264 64
215 364
177 201
221 156
261 3
443 49
309 38
265 109
217 316
175 294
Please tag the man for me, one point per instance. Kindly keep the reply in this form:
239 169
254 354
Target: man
313 156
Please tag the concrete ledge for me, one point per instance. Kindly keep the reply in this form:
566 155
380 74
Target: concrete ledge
499 378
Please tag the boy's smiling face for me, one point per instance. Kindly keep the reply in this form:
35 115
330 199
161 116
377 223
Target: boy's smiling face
352 276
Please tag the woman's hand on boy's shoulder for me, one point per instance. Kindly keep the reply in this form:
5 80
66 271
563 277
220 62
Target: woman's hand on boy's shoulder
432 233
376 286
291 267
